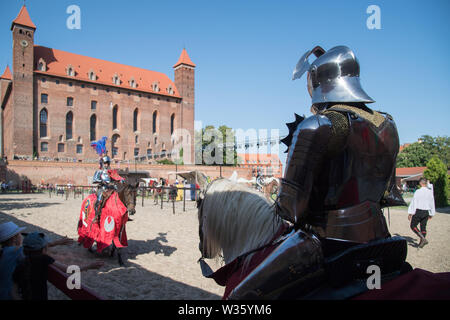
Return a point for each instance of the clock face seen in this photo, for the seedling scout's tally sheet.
(24, 43)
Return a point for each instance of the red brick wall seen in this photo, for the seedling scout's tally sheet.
(126, 101)
(6, 118)
(21, 132)
(79, 173)
(22, 112)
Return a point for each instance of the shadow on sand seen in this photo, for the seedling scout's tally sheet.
(164, 288)
(411, 241)
(138, 247)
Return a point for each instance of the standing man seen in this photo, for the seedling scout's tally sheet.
(421, 209)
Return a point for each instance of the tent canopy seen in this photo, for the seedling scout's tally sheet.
(193, 177)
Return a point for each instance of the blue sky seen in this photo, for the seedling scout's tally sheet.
(245, 52)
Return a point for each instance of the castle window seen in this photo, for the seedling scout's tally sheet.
(132, 83)
(136, 152)
(44, 98)
(44, 146)
(70, 71)
(41, 65)
(69, 101)
(69, 124)
(43, 123)
(149, 153)
(154, 122)
(114, 148)
(43, 79)
(116, 80)
(79, 148)
(93, 105)
(115, 111)
(155, 87)
(172, 120)
(156, 140)
(170, 90)
(135, 119)
(136, 139)
(92, 76)
(60, 147)
(57, 81)
(93, 123)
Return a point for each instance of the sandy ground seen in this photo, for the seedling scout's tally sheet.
(161, 259)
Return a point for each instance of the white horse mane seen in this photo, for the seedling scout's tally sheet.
(236, 219)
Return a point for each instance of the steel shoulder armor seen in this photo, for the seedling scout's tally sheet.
(306, 152)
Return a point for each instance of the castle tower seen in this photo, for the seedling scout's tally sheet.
(184, 71)
(22, 111)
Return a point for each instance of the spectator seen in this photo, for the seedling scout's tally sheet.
(31, 275)
(10, 255)
(421, 209)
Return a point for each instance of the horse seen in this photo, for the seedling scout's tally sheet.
(235, 221)
(126, 193)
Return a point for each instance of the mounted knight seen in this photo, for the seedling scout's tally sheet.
(106, 178)
(340, 173)
(104, 214)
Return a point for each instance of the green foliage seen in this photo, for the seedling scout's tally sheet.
(419, 153)
(436, 172)
(165, 161)
(214, 140)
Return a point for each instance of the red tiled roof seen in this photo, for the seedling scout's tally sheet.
(57, 63)
(7, 74)
(23, 18)
(403, 146)
(184, 59)
(403, 172)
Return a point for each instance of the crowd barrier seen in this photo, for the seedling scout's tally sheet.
(59, 280)
(160, 195)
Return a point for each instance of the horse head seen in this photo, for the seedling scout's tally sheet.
(127, 194)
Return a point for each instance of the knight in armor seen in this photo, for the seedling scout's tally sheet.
(340, 173)
(341, 160)
(104, 177)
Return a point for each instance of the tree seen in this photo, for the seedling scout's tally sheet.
(419, 153)
(214, 140)
(436, 172)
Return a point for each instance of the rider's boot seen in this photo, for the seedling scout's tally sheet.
(98, 210)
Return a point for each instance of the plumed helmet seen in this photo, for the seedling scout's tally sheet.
(106, 159)
(333, 76)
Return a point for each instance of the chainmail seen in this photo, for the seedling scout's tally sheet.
(339, 131)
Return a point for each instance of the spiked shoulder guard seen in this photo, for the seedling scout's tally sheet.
(309, 145)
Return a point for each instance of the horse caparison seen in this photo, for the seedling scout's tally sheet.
(127, 193)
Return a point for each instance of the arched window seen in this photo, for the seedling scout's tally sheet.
(115, 145)
(135, 119)
(69, 124)
(172, 123)
(154, 121)
(92, 126)
(115, 111)
(43, 123)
